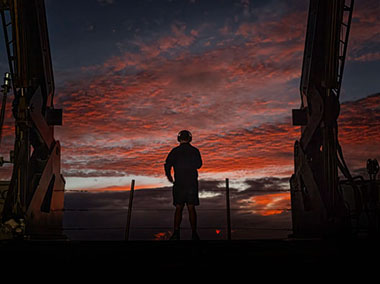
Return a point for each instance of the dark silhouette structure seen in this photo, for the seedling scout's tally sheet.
(324, 203)
(186, 160)
(35, 193)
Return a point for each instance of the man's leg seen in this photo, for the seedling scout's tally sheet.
(193, 221)
(178, 216)
(177, 221)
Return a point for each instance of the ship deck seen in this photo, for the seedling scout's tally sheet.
(205, 254)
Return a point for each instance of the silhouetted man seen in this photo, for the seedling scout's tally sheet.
(186, 160)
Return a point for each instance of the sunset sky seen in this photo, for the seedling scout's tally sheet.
(130, 74)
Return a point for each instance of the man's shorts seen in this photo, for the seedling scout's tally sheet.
(185, 194)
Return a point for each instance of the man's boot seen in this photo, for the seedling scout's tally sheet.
(194, 236)
(175, 236)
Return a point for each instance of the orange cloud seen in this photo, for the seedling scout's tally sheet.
(267, 204)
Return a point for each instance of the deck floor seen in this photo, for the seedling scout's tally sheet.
(257, 254)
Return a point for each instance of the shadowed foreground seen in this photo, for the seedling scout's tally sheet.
(288, 254)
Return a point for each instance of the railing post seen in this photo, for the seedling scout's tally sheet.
(129, 210)
(228, 210)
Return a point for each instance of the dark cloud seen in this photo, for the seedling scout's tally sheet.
(254, 212)
(106, 2)
(365, 32)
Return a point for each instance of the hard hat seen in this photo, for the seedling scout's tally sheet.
(184, 135)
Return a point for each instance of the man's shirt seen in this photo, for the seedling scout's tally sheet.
(186, 160)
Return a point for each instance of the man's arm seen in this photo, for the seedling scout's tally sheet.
(199, 160)
(168, 166)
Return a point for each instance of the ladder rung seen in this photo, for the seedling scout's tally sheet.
(342, 41)
(10, 42)
(344, 24)
(10, 23)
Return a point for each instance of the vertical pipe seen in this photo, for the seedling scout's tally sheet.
(129, 210)
(2, 112)
(228, 210)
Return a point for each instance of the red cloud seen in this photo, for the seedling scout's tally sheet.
(360, 130)
(268, 146)
(265, 146)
